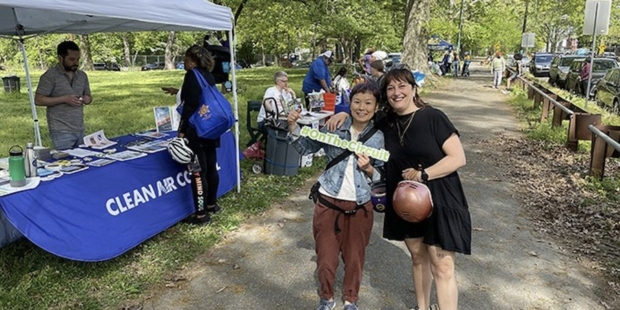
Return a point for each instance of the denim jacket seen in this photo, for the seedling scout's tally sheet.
(331, 180)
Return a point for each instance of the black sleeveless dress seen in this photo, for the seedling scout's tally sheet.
(449, 227)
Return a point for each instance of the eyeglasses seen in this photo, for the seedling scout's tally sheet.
(283, 81)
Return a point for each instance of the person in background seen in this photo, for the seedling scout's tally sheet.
(466, 63)
(345, 187)
(425, 147)
(498, 65)
(318, 77)
(584, 74)
(204, 167)
(377, 71)
(280, 92)
(518, 72)
(445, 63)
(366, 60)
(456, 64)
(341, 85)
(64, 90)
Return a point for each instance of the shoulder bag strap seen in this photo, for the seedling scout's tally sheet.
(201, 79)
(346, 153)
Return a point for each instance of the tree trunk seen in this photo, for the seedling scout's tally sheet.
(415, 46)
(41, 63)
(87, 59)
(126, 49)
(168, 53)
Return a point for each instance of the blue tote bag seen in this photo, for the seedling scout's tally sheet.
(214, 115)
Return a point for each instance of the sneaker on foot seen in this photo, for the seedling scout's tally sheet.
(351, 307)
(214, 209)
(326, 305)
(195, 220)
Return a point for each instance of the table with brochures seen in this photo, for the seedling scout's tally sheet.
(103, 211)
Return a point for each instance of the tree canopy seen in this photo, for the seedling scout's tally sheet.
(272, 29)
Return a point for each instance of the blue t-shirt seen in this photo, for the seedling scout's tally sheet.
(318, 71)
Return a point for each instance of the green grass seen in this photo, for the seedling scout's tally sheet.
(31, 278)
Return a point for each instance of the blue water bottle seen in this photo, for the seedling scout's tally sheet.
(17, 167)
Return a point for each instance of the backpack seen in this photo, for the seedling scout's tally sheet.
(221, 56)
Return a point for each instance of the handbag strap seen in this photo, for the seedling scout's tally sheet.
(346, 153)
(201, 79)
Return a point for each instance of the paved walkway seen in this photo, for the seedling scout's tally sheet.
(269, 262)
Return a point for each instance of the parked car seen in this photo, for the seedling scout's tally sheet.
(607, 93)
(611, 55)
(113, 67)
(154, 66)
(392, 60)
(559, 69)
(539, 66)
(99, 66)
(599, 69)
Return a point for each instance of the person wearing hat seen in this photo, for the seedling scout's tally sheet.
(584, 75)
(318, 77)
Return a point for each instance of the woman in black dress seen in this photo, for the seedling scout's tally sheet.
(419, 136)
(422, 137)
(205, 178)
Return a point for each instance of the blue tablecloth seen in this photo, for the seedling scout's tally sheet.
(102, 212)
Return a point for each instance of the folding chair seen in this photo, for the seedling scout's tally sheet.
(255, 133)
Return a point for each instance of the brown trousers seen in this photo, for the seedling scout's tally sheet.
(351, 241)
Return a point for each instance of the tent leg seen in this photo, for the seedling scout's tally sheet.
(234, 90)
(37, 132)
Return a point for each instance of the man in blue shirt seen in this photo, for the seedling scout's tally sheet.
(318, 77)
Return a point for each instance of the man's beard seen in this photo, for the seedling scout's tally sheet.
(68, 68)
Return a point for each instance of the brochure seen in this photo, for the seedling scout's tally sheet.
(100, 162)
(164, 119)
(126, 155)
(73, 169)
(98, 141)
(82, 153)
(148, 147)
(151, 134)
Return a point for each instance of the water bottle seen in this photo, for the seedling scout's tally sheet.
(30, 161)
(17, 170)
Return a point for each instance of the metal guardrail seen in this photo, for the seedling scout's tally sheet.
(557, 104)
(605, 137)
(603, 143)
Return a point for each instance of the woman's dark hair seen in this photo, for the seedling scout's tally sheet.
(366, 88)
(401, 74)
(201, 57)
(342, 71)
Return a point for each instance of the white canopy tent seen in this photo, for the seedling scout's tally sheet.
(26, 18)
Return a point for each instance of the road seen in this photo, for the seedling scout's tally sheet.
(269, 262)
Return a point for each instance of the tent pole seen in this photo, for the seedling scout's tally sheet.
(35, 117)
(231, 42)
(19, 29)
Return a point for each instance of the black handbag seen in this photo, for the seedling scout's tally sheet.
(314, 191)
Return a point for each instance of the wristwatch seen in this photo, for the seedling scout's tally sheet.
(424, 176)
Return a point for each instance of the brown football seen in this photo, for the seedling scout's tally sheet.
(412, 201)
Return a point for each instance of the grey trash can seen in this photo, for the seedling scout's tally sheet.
(11, 84)
(281, 158)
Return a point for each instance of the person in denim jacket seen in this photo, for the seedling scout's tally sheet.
(343, 215)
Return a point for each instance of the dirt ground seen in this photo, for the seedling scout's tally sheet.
(517, 261)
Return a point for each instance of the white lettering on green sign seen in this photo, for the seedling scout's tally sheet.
(353, 146)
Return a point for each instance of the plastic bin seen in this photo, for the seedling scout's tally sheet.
(281, 158)
(11, 84)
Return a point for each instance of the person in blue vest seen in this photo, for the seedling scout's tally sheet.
(318, 77)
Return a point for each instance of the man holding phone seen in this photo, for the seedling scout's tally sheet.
(64, 90)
